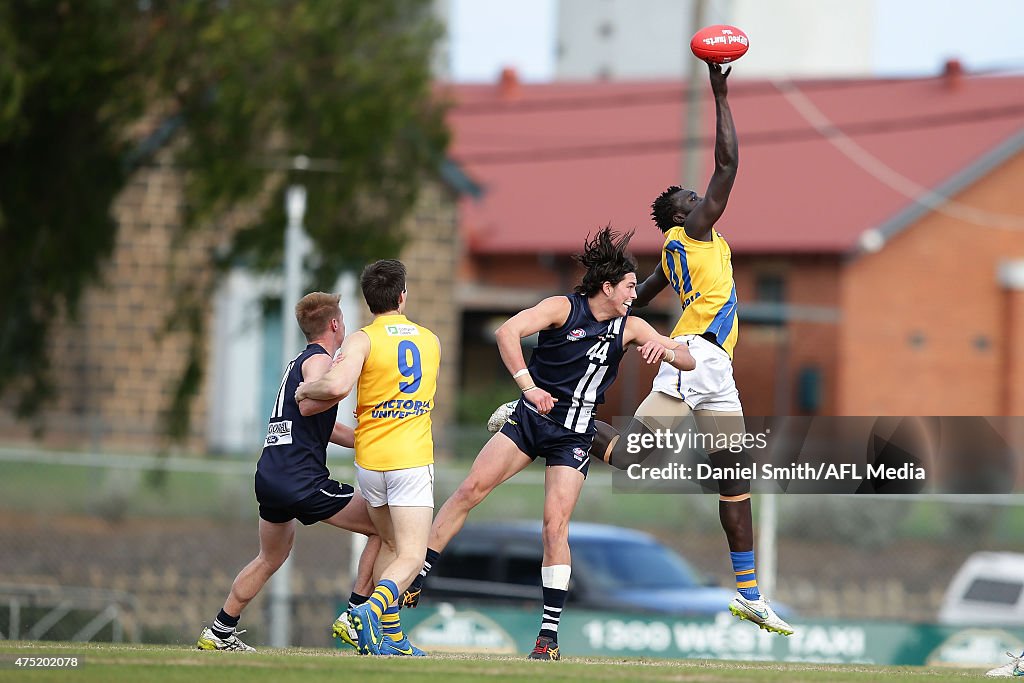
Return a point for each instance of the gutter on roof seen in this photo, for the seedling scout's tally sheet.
(873, 239)
(456, 178)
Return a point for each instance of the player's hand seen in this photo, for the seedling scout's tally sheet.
(718, 76)
(337, 359)
(541, 400)
(652, 351)
(300, 393)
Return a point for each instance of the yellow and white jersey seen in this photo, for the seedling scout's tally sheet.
(701, 273)
(396, 394)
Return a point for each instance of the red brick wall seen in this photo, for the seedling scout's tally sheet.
(530, 271)
(765, 355)
(768, 358)
(924, 329)
(1013, 385)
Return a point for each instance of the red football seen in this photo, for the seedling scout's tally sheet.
(719, 44)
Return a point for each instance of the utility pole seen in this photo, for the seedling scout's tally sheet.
(695, 68)
(295, 207)
(351, 311)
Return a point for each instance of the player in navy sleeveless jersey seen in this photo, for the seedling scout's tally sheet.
(582, 338)
(294, 460)
(292, 479)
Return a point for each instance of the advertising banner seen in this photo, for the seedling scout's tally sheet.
(588, 633)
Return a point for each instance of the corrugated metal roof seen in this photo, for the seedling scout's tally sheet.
(560, 160)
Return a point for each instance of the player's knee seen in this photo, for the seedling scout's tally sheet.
(411, 560)
(470, 494)
(272, 561)
(635, 445)
(389, 545)
(732, 485)
(555, 532)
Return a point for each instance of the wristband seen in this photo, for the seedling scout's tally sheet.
(520, 373)
(530, 388)
(673, 356)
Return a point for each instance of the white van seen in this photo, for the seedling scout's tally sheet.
(988, 590)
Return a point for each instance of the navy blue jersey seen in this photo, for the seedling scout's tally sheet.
(294, 460)
(576, 363)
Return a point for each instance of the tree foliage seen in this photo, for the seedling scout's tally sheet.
(241, 87)
(66, 96)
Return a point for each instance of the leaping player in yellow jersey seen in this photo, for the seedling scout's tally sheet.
(394, 362)
(697, 262)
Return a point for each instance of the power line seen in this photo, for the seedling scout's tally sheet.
(671, 145)
(887, 175)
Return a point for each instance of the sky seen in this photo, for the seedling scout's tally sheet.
(525, 39)
(912, 37)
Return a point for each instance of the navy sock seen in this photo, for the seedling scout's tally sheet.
(356, 599)
(432, 557)
(224, 625)
(554, 601)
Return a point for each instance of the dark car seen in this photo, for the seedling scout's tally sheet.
(613, 568)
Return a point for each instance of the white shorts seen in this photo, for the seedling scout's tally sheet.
(709, 386)
(413, 487)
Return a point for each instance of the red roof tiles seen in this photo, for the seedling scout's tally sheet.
(560, 160)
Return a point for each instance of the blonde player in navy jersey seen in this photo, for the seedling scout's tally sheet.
(394, 363)
(581, 340)
(292, 480)
(697, 262)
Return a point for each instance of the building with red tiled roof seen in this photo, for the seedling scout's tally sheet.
(877, 229)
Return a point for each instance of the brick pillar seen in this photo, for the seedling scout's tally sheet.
(431, 255)
(115, 365)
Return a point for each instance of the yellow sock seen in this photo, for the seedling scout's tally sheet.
(391, 624)
(384, 595)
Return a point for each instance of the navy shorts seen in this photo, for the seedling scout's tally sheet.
(330, 498)
(538, 436)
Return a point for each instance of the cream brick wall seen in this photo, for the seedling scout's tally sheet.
(116, 366)
(432, 256)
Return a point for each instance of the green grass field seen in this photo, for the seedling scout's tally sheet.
(170, 664)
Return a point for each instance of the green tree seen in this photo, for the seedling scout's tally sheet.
(240, 88)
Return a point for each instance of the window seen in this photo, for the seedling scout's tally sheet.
(522, 564)
(635, 565)
(770, 288)
(471, 559)
(808, 389)
(995, 591)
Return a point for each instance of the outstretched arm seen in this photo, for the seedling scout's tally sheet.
(703, 217)
(341, 378)
(650, 288)
(655, 347)
(551, 312)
